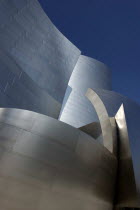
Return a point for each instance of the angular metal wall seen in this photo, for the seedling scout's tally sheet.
(47, 164)
(88, 73)
(91, 73)
(129, 138)
(126, 186)
(28, 37)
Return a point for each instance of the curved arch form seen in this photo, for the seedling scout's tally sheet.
(103, 118)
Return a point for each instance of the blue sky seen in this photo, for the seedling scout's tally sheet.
(107, 30)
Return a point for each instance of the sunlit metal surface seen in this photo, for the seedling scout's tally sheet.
(88, 73)
(103, 118)
(128, 152)
(47, 164)
(112, 102)
(31, 40)
(18, 90)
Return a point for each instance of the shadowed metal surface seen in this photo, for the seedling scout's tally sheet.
(103, 119)
(93, 129)
(88, 73)
(112, 102)
(46, 164)
(128, 194)
(126, 186)
(114, 135)
(29, 38)
(18, 90)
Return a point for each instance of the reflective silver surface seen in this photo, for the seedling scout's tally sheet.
(112, 102)
(88, 73)
(114, 135)
(77, 111)
(18, 90)
(103, 119)
(126, 187)
(46, 164)
(29, 39)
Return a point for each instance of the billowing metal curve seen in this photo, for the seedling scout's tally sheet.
(36, 59)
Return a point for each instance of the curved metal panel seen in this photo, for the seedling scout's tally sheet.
(88, 73)
(18, 90)
(41, 51)
(77, 111)
(95, 73)
(47, 164)
(112, 102)
(103, 118)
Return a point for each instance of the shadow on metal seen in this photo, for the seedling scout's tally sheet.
(127, 195)
(93, 129)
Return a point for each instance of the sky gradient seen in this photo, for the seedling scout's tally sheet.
(107, 30)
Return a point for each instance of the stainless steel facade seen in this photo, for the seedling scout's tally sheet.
(18, 90)
(127, 123)
(29, 39)
(88, 73)
(89, 161)
(95, 73)
(127, 194)
(132, 114)
(104, 119)
(47, 164)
